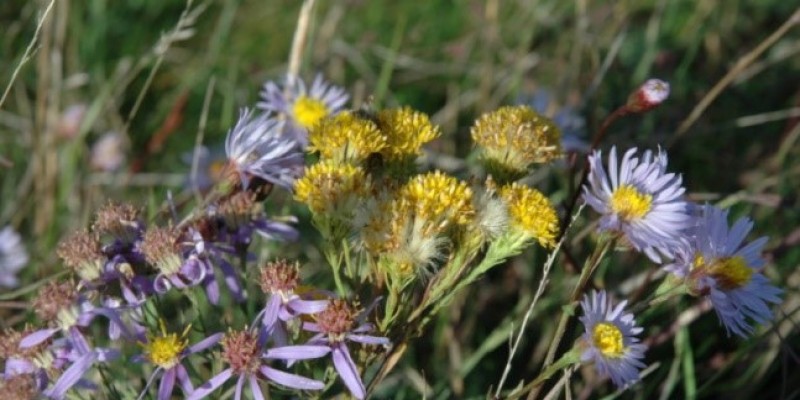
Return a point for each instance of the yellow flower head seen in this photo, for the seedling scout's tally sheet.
(308, 111)
(438, 197)
(531, 213)
(346, 137)
(330, 187)
(514, 137)
(406, 130)
(165, 350)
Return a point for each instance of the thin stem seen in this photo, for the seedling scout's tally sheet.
(300, 35)
(572, 357)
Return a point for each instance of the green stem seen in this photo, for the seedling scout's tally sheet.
(570, 358)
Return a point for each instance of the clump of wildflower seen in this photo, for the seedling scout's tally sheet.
(81, 253)
(119, 221)
(346, 137)
(717, 264)
(531, 213)
(648, 96)
(243, 353)
(12, 257)
(304, 107)
(257, 148)
(609, 340)
(331, 188)
(406, 131)
(513, 138)
(640, 200)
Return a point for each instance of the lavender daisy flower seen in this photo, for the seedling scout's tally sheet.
(82, 357)
(166, 351)
(336, 325)
(718, 264)
(279, 279)
(256, 147)
(639, 199)
(242, 351)
(12, 257)
(609, 340)
(304, 107)
(162, 248)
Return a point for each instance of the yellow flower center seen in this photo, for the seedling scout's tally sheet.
(608, 339)
(308, 111)
(731, 272)
(629, 203)
(165, 350)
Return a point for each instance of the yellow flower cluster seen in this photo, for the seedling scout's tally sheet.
(531, 213)
(515, 137)
(346, 137)
(396, 134)
(406, 130)
(408, 225)
(329, 187)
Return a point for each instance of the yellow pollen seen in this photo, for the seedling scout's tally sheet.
(531, 213)
(436, 196)
(608, 339)
(731, 272)
(165, 350)
(629, 203)
(308, 111)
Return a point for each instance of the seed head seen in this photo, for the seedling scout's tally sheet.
(241, 351)
(119, 220)
(161, 248)
(81, 253)
(55, 299)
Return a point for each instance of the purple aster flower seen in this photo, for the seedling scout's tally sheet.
(718, 264)
(256, 147)
(242, 351)
(609, 340)
(303, 107)
(279, 279)
(639, 199)
(163, 248)
(82, 357)
(336, 325)
(12, 257)
(166, 351)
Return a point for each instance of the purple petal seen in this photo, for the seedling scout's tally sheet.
(308, 306)
(367, 339)
(212, 289)
(161, 284)
(194, 270)
(255, 389)
(291, 380)
(16, 366)
(37, 337)
(311, 327)
(271, 312)
(204, 344)
(167, 384)
(183, 380)
(71, 376)
(239, 385)
(104, 355)
(347, 370)
(231, 280)
(205, 389)
(301, 352)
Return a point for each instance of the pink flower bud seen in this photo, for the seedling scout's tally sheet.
(648, 96)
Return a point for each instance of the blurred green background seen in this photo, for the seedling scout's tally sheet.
(122, 64)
